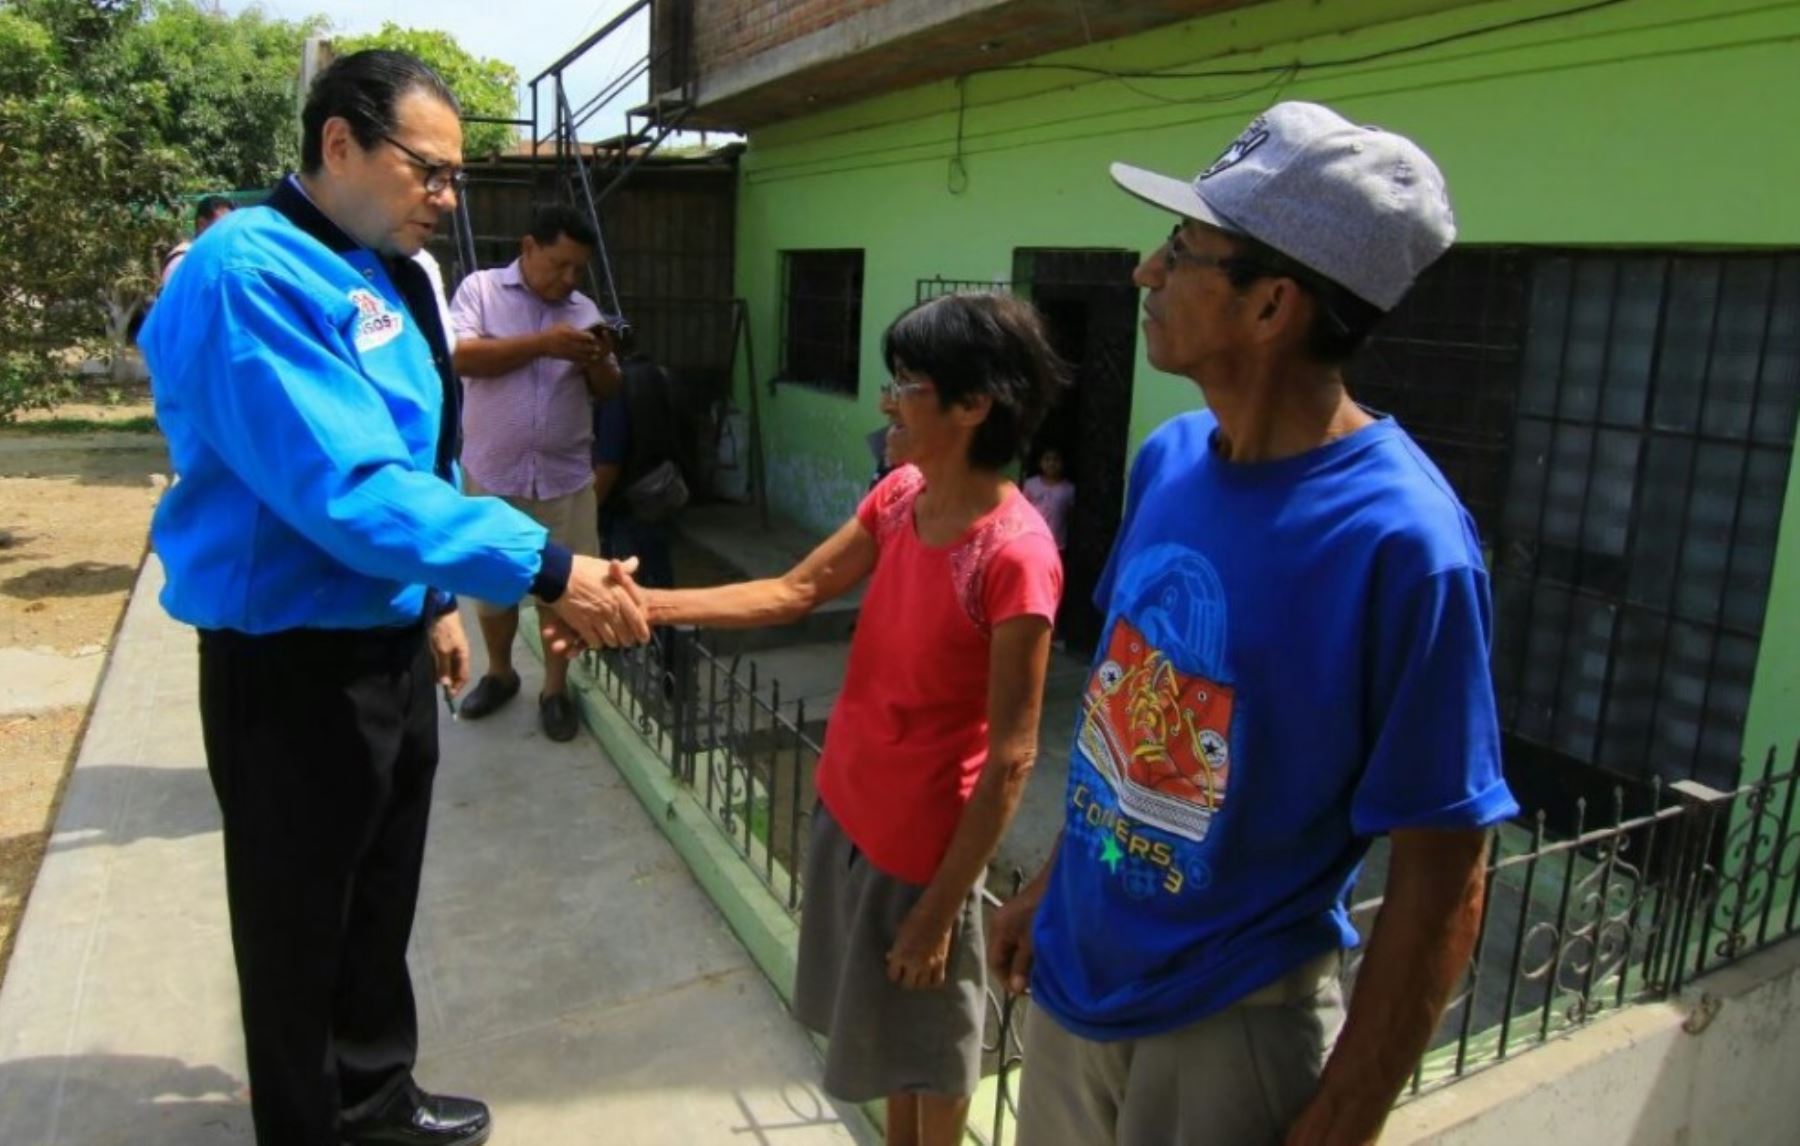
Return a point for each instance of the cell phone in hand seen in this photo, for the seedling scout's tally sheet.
(615, 335)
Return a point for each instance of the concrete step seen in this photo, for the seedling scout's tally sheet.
(721, 542)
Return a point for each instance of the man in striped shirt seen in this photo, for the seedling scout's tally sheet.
(534, 353)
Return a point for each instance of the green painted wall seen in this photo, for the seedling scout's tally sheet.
(1646, 122)
(1774, 717)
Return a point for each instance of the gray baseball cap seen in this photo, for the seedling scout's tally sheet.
(1364, 207)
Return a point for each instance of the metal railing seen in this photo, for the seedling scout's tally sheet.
(726, 735)
(590, 174)
(1619, 911)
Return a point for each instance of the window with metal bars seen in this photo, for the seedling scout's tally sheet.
(1621, 425)
(821, 324)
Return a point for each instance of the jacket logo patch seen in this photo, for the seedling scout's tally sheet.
(377, 323)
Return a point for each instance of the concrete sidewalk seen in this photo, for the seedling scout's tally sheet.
(568, 970)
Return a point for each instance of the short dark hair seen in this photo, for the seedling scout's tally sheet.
(557, 219)
(974, 344)
(210, 207)
(363, 88)
(1341, 321)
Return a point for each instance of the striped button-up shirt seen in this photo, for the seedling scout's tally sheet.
(527, 433)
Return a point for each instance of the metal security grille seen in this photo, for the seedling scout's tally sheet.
(931, 288)
(1621, 425)
(821, 325)
(1446, 363)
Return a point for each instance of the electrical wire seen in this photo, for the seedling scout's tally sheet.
(1279, 78)
(956, 177)
(1296, 66)
(1276, 76)
(1313, 65)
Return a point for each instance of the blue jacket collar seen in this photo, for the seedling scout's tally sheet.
(302, 212)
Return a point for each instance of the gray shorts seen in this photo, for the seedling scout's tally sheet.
(1236, 1078)
(883, 1039)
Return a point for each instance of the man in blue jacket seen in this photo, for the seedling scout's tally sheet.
(314, 537)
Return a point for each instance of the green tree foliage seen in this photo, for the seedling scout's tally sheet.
(484, 87)
(87, 194)
(222, 89)
(113, 115)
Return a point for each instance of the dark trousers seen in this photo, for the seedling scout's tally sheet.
(622, 536)
(322, 747)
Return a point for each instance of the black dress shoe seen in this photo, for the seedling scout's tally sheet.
(557, 714)
(414, 1118)
(489, 693)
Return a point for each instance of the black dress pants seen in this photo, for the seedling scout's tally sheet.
(322, 747)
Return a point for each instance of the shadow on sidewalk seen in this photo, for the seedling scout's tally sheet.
(810, 1111)
(120, 1100)
(114, 804)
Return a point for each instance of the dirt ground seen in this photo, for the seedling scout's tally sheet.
(74, 518)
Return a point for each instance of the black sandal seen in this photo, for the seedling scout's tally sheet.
(489, 693)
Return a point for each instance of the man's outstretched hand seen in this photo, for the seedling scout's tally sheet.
(601, 608)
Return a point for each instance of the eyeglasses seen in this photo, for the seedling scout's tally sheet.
(439, 177)
(893, 389)
(1175, 253)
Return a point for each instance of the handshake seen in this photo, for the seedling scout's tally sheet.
(601, 608)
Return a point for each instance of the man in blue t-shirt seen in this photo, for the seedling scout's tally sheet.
(1295, 661)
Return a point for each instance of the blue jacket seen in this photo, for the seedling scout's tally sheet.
(306, 391)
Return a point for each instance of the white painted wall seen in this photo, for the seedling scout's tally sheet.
(1654, 1075)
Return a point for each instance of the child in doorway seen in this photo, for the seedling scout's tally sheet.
(1052, 495)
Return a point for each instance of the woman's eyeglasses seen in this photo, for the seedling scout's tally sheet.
(439, 177)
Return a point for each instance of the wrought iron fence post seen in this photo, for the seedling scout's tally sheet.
(1006, 1060)
(681, 687)
(1693, 895)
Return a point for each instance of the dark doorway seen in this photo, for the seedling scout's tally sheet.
(1090, 304)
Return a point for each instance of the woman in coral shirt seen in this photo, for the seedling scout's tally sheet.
(931, 741)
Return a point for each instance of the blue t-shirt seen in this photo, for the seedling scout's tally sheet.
(1295, 660)
(612, 431)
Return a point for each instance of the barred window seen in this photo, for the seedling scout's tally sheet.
(821, 322)
(1621, 426)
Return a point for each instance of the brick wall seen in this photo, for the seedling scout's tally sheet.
(727, 31)
(895, 46)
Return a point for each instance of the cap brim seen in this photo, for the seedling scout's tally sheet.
(1177, 195)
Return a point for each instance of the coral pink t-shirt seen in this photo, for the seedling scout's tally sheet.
(908, 736)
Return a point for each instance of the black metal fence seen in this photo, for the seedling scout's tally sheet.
(1622, 909)
(727, 736)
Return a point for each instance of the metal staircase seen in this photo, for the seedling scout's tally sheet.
(588, 174)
